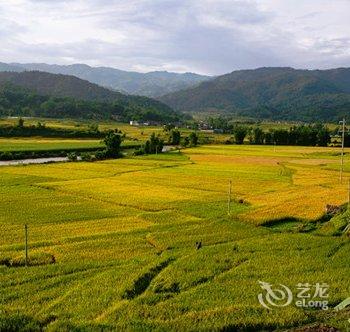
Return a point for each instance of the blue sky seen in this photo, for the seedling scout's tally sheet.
(204, 36)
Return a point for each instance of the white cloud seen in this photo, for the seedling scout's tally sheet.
(207, 36)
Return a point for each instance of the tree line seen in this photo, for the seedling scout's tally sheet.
(155, 143)
(175, 137)
(304, 134)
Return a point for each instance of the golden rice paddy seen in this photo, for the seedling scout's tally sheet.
(124, 232)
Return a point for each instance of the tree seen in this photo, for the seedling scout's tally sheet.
(175, 137)
(20, 123)
(257, 136)
(268, 138)
(219, 123)
(280, 136)
(186, 141)
(113, 141)
(323, 135)
(153, 145)
(93, 128)
(193, 139)
(40, 125)
(239, 133)
(168, 127)
(347, 140)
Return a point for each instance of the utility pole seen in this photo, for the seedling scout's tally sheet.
(26, 243)
(342, 150)
(229, 197)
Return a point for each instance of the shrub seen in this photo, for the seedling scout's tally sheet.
(6, 156)
(139, 152)
(86, 156)
(100, 155)
(72, 156)
(19, 155)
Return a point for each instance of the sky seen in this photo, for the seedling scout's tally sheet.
(204, 36)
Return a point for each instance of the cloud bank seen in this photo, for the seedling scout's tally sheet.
(205, 36)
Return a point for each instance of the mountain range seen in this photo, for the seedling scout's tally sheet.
(152, 84)
(270, 93)
(275, 93)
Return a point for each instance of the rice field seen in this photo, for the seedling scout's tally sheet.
(53, 144)
(123, 234)
(44, 144)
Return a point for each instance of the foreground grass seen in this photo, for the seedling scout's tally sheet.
(123, 235)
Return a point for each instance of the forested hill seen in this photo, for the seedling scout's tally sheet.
(30, 92)
(271, 93)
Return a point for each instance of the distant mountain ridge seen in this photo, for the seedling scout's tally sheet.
(152, 84)
(278, 93)
(8, 67)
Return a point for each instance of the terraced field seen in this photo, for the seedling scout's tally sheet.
(123, 235)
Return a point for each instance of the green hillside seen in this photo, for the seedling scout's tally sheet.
(50, 95)
(271, 93)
